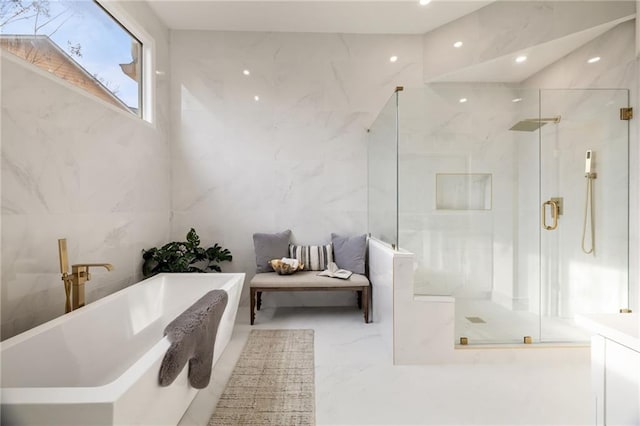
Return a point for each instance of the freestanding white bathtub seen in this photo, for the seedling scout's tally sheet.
(99, 365)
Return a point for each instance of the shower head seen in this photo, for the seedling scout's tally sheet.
(532, 124)
(527, 125)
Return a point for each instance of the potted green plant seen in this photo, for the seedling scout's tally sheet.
(184, 256)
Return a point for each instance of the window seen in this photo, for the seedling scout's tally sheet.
(78, 41)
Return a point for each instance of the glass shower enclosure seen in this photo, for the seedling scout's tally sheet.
(513, 200)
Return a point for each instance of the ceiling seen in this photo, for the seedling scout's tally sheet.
(365, 17)
(504, 70)
(324, 16)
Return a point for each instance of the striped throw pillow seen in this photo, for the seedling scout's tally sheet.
(314, 258)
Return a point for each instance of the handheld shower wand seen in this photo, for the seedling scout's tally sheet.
(588, 203)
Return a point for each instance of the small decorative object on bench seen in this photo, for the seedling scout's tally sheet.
(333, 271)
(286, 266)
(346, 253)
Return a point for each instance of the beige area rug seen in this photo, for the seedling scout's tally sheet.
(272, 383)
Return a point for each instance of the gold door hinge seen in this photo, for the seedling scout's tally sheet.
(626, 113)
(625, 311)
(464, 341)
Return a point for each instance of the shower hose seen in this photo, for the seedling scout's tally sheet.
(588, 215)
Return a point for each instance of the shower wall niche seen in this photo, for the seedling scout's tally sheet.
(463, 191)
(458, 174)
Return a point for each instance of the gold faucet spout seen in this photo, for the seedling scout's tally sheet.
(107, 266)
(80, 275)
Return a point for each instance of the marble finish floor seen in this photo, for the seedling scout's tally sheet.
(356, 383)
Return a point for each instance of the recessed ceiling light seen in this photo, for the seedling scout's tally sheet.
(594, 60)
(393, 58)
(246, 72)
(516, 100)
(457, 44)
(463, 100)
(424, 2)
(256, 98)
(521, 59)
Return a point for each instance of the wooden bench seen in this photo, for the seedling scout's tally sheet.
(309, 281)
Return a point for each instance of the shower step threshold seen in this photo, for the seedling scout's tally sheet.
(543, 345)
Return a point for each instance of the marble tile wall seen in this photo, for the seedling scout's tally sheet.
(74, 167)
(296, 159)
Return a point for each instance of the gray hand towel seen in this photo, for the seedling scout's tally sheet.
(192, 335)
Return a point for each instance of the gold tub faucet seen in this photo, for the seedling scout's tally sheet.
(74, 283)
(80, 275)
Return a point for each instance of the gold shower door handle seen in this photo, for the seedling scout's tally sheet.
(554, 214)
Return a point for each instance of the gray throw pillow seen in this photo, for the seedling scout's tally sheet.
(270, 246)
(349, 252)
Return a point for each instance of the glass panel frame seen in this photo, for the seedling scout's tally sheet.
(382, 174)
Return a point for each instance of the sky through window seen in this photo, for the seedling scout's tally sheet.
(87, 34)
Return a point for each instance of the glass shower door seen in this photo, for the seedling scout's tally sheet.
(584, 204)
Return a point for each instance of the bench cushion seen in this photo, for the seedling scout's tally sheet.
(305, 279)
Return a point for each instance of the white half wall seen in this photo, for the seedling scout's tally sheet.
(381, 276)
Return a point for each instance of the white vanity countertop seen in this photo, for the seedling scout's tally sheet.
(621, 328)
